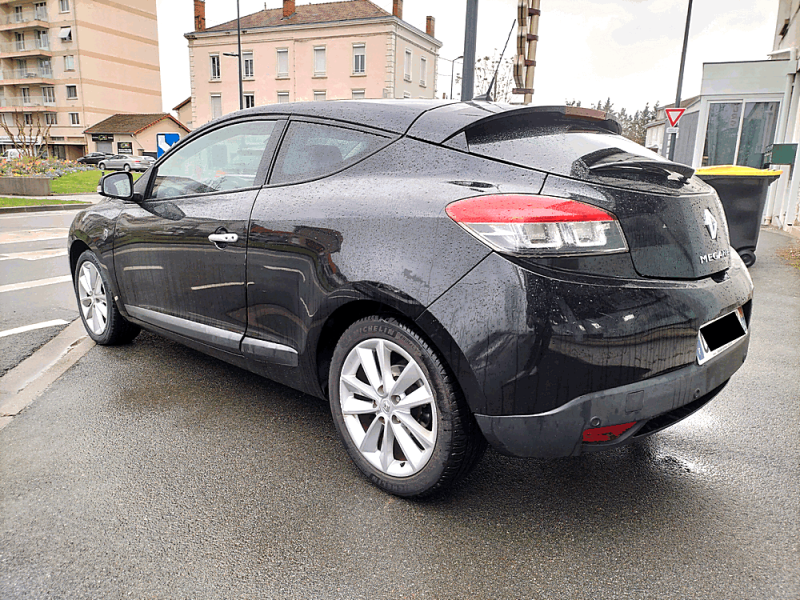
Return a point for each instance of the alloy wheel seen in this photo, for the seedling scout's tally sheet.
(388, 407)
(92, 296)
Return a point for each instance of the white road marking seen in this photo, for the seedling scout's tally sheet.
(24, 285)
(25, 328)
(34, 235)
(35, 254)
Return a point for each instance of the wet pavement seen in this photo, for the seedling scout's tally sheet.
(35, 287)
(153, 471)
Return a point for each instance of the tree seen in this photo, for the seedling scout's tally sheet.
(484, 71)
(29, 132)
(634, 126)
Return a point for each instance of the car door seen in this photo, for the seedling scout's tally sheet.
(293, 240)
(179, 254)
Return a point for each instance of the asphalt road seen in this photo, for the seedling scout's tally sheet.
(152, 471)
(34, 286)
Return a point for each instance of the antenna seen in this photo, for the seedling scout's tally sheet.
(487, 97)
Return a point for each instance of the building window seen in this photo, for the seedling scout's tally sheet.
(216, 105)
(42, 41)
(63, 6)
(40, 11)
(65, 34)
(19, 16)
(20, 40)
(51, 118)
(319, 96)
(406, 94)
(216, 72)
(49, 94)
(740, 137)
(359, 59)
(69, 62)
(407, 66)
(283, 97)
(359, 94)
(26, 95)
(249, 100)
(283, 62)
(45, 68)
(72, 92)
(423, 72)
(74, 118)
(27, 118)
(248, 69)
(319, 61)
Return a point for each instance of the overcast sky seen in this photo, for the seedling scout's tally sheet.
(589, 50)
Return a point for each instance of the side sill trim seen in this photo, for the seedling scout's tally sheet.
(213, 336)
(269, 352)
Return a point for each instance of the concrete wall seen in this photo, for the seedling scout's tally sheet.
(743, 78)
(25, 186)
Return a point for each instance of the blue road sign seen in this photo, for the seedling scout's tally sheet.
(165, 140)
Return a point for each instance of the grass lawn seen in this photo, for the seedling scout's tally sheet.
(4, 202)
(80, 182)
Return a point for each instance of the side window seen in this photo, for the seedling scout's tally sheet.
(224, 160)
(311, 150)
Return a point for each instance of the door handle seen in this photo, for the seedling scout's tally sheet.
(223, 238)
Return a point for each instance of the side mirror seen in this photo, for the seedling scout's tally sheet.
(116, 185)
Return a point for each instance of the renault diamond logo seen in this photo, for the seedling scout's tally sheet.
(711, 224)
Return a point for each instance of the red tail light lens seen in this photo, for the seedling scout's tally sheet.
(539, 225)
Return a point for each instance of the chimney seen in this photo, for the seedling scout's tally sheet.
(397, 8)
(430, 26)
(288, 8)
(199, 15)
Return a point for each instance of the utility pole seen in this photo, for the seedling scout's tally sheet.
(470, 39)
(453, 72)
(674, 136)
(238, 54)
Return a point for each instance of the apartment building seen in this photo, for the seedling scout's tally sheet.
(66, 65)
(312, 52)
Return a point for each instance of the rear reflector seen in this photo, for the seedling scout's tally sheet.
(538, 225)
(606, 434)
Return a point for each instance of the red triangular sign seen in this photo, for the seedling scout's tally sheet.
(674, 115)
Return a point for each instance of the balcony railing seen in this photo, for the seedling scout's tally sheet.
(25, 101)
(26, 16)
(25, 45)
(27, 74)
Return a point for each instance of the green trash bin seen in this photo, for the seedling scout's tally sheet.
(743, 192)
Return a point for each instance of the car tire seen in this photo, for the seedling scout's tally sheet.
(748, 257)
(126, 168)
(99, 313)
(102, 166)
(434, 439)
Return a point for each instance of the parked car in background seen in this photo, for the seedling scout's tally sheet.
(445, 274)
(93, 158)
(10, 153)
(126, 162)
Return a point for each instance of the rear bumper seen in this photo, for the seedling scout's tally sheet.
(653, 404)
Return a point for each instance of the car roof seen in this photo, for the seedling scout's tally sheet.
(430, 120)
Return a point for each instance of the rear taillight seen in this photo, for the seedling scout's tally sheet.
(539, 225)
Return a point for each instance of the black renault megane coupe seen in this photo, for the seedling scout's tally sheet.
(446, 275)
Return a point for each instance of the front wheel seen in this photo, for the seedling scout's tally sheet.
(400, 416)
(127, 168)
(103, 322)
(102, 166)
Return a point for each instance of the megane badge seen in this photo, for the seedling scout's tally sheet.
(711, 223)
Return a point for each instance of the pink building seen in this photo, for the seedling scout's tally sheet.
(66, 65)
(332, 51)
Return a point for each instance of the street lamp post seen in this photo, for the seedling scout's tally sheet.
(452, 73)
(238, 53)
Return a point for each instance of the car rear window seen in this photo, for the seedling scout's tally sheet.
(552, 145)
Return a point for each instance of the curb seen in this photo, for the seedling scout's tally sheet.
(25, 382)
(43, 208)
